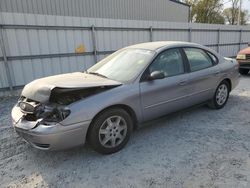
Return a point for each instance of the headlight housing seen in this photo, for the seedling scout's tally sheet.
(64, 113)
(55, 116)
(241, 56)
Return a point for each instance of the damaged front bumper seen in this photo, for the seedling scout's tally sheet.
(49, 137)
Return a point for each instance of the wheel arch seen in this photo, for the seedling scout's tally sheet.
(229, 82)
(127, 108)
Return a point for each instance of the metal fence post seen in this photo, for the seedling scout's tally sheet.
(240, 38)
(151, 34)
(5, 60)
(218, 40)
(94, 42)
(190, 34)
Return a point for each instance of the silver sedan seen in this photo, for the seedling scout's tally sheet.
(133, 85)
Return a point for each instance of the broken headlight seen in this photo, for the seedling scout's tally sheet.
(54, 115)
(48, 114)
(64, 113)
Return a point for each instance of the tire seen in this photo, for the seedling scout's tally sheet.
(220, 96)
(106, 135)
(243, 71)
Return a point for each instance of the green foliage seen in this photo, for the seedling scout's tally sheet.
(231, 16)
(210, 11)
(206, 11)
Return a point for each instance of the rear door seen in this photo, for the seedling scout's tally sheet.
(204, 74)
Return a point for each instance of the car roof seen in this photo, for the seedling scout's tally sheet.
(162, 44)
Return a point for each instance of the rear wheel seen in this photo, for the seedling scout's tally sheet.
(110, 131)
(221, 96)
(243, 71)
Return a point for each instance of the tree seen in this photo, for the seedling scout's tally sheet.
(234, 10)
(193, 4)
(206, 11)
(231, 14)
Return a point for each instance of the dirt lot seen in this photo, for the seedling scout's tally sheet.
(197, 148)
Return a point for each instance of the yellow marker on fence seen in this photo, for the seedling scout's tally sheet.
(80, 49)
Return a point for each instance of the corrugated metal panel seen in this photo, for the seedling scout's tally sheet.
(209, 37)
(245, 36)
(32, 42)
(170, 35)
(230, 51)
(3, 77)
(24, 71)
(48, 41)
(162, 10)
(230, 37)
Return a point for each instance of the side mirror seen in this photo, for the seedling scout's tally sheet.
(156, 75)
(249, 44)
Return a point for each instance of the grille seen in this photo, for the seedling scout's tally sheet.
(248, 56)
(30, 117)
(246, 65)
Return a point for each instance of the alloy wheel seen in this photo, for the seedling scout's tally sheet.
(112, 131)
(222, 94)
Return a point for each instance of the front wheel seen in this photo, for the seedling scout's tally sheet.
(110, 131)
(221, 96)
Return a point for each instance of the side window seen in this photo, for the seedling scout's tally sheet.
(213, 57)
(169, 62)
(198, 59)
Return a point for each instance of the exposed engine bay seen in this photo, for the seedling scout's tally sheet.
(55, 110)
(34, 111)
(66, 96)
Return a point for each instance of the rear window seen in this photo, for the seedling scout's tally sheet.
(198, 59)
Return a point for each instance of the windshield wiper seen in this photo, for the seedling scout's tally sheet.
(97, 74)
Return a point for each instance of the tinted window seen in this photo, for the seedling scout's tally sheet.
(198, 59)
(169, 62)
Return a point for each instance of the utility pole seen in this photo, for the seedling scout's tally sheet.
(190, 14)
(239, 15)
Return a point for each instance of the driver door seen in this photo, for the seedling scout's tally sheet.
(162, 96)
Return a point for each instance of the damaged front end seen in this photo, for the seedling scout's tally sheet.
(44, 116)
(43, 113)
(56, 108)
(66, 96)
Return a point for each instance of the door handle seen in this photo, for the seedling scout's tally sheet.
(217, 73)
(182, 83)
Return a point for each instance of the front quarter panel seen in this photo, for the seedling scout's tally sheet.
(86, 109)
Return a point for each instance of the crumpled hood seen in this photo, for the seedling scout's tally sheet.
(40, 89)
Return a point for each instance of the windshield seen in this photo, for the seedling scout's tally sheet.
(123, 65)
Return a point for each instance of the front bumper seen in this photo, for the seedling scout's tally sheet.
(244, 64)
(49, 137)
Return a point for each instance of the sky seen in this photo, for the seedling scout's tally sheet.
(245, 4)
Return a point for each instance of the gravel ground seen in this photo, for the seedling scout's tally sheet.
(196, 148)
